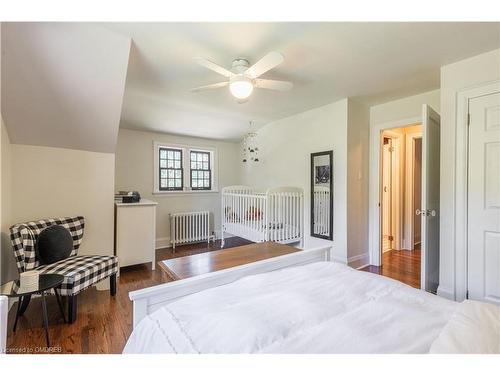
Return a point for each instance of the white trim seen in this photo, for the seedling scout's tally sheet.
(445, 293)
(164, 242)
(374, 193)
(147, 300)
(184, 192)
(186, 149)
(458, 292)
(409, 232)
(397, 183)
(364, 258)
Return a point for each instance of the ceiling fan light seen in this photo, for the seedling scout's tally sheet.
(241, 88)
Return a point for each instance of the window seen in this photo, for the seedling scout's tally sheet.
(184, 169)
(171, 169)
(200, 170)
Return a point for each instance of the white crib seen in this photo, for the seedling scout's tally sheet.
(321, 210)
(276, 215)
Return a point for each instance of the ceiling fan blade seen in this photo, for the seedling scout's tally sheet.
(213, 66)
(271, 84)
(268, 62)
(209, 87)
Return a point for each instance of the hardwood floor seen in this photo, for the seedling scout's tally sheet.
(103, 323)
(402, 265)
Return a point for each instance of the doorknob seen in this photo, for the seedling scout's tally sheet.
(432, 213)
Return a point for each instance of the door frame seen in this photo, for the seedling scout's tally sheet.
(374, 208)
(397, 180)
(409, 234)
(387, 157)
(460, 228)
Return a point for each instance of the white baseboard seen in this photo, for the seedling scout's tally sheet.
(164, 242)
(359, 261)
(445, 293)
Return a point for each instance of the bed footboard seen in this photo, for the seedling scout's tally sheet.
(147, 300)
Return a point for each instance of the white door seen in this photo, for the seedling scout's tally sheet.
(386, 195)
(429, 275)
(483, 237)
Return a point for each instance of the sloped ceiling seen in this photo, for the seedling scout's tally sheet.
(63, 84)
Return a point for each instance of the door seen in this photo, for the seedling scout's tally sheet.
(483, 206)
(387, 195)
(429, 272)
(417, 190)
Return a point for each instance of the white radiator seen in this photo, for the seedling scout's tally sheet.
(190, 227)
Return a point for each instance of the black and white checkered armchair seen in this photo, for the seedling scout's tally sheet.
(80, 272)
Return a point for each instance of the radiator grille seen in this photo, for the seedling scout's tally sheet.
(190, 227)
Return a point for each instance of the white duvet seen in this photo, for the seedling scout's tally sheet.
(474, 328)
(321, 307)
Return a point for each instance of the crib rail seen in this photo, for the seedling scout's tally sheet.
(321, 220)
(276, 215)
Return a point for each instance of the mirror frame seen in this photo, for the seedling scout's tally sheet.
(330, 155)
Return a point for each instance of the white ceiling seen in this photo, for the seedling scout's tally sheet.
(375, 62)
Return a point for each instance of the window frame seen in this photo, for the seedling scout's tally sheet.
(209, 170)
(186, 168)
(160, 188)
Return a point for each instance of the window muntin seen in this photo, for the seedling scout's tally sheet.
(201, 172)
(171, 169)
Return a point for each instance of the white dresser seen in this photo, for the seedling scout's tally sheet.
(135, 227)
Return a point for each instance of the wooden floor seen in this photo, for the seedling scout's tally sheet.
(104, 323)
(402, 265)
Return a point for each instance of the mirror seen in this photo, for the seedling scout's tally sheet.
(321, 195)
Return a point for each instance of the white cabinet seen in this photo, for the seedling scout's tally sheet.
(135, 226)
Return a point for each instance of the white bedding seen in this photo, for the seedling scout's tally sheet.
(474, 328)
(321, 307)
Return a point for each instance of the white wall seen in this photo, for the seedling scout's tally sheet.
(134, 171)
(7, 264)
(404, 108)
(475, 71)
(8, 268)
(54, 182)
(358, 153)
(63, 84)
(285, 147)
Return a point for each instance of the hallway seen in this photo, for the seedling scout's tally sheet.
(401, 265)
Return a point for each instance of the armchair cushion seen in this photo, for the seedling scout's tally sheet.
(80, 272)
(24, 237)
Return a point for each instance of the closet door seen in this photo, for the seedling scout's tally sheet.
(483, 237)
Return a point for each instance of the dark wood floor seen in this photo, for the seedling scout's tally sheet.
(104, 323)
(402, 265)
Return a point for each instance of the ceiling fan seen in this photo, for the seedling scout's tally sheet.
(243, 78)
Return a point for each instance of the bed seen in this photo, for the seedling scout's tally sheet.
(276, 215)
(310, 306)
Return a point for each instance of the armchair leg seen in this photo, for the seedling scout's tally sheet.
(72, 304)
(24, 304)
(112, 284)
